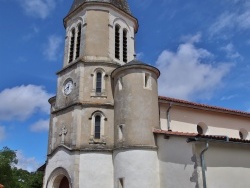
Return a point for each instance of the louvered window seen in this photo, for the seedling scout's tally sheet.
(117, 42)
(125, 46)
(72, 45)
(78, 40)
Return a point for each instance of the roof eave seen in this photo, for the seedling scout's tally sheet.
(194, 137)
(193, 105)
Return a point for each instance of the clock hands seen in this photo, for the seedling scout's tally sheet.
(68, 87)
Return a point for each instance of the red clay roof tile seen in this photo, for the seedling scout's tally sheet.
(193, 135)
(203, 106)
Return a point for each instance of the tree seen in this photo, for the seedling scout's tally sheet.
(37, 180)
(7, 161)
(11, 177)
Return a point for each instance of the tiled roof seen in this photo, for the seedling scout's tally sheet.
(121, 4)
(196, 135)
(203, 106)
(174, 133)
(42, 168)
(136, 62)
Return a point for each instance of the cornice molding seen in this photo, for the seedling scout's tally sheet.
(83, 104)
(88, 63)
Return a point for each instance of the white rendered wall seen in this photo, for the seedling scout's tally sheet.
(62, 159)
(96, 170)
(183, 119)
(138, 168)
(177, 163)
(228, 165)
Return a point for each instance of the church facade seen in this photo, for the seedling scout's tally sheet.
(110, 129)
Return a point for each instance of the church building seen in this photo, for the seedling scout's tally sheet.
(110, 129)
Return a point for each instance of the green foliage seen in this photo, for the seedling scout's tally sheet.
(12, 177)
(7, 160)
(25, 179)
(37, 180)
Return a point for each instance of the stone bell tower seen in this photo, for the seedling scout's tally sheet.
(99, 38)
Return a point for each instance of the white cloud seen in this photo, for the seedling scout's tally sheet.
(40, 126)
(52, 50)
(139, 55)
(145, 5)
(224, 98)
(185, 75)
(231, 52)
(38, 8)
(29, 164)
(34, 30)
(238, 19)
(191, 38)
(2, 133)
(22, 101)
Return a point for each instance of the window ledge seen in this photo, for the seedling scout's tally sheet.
(97, 142)
(101, 95)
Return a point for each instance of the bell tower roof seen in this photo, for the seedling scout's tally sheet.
(121, 4)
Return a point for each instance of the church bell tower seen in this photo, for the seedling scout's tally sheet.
(99, 38)
(106, 104)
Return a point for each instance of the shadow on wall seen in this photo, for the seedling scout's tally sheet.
(228, 155)
(178, 162)
(227, 164)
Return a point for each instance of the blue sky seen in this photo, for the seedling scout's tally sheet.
(200, 47)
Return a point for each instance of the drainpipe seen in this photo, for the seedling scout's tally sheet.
(203, 165)
(168, 116)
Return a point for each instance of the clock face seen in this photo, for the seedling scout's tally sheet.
(68, 87)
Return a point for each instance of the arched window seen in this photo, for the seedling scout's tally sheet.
(202, 128)
(117, 42)
(243, 134)
(72, 46)
(125, 46)
(78, 40)
(97, 127)
(98, 82)
(199, 129)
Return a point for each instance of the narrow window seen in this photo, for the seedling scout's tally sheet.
(147, 81)
(241, 135)
(72, 44)
(121, 183)
(78, 40)
(117, 42)
(97, 127)
(125, 46)
(98, 82)
(120, 83)
(120, 132)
